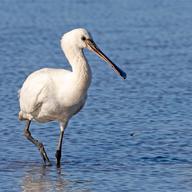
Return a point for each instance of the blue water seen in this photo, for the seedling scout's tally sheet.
(133, 135)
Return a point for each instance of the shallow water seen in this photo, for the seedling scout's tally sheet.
(132, 135)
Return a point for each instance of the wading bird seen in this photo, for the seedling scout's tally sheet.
(57, 94)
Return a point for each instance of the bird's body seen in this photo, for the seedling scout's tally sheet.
(52, 94)
(57, 94)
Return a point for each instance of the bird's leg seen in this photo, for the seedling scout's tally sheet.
(39, 145)
(59, 146)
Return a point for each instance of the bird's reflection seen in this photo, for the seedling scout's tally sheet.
(45, 179)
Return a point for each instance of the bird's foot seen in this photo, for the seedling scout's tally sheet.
(58, 157)
(49, 164)
(44, 154)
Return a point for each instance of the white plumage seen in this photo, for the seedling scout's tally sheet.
(57, 94)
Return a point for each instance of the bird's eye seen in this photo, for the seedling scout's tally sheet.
(83, 38)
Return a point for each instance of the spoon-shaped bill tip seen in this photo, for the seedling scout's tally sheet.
(119, 71)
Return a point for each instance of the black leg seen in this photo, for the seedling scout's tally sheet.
(59, 146)
(39, 145)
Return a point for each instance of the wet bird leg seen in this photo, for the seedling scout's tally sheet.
(39, 145)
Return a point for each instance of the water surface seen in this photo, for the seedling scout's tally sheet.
(132, 135)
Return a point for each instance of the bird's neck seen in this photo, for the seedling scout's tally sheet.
(80, 68)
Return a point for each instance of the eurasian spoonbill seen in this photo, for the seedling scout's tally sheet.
(57, 94)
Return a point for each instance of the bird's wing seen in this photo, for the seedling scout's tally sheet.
(35, 90)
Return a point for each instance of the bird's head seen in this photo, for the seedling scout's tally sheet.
(79, 39)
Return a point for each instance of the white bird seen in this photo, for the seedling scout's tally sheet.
(57, 94)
